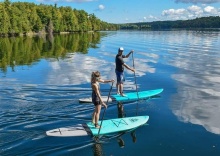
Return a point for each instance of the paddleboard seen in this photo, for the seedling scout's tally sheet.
(89, 99)
(108, 126)
(132, 96)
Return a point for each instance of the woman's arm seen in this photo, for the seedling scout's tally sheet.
(106, 81)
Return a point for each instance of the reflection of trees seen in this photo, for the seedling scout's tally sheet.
(26, 50)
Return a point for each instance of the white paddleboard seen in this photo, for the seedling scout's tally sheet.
(78, 130)
(89, 99)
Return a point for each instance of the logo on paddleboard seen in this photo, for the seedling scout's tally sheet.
(133, 119)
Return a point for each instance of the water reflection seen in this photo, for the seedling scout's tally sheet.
(198, 81)
(26, 50)
(77, 70)
(97, 149)
(44, 78)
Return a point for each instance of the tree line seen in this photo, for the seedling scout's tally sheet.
(203, 22)
(24, 17)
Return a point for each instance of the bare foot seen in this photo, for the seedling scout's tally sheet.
(97, 126)
(122, 94)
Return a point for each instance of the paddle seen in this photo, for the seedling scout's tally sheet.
(135, 77)
(135, 82)
(105, 108)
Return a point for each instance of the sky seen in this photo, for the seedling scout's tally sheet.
(132, 11)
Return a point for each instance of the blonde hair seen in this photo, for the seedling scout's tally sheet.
(94, 75)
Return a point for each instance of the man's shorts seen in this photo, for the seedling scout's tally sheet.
(120, 76)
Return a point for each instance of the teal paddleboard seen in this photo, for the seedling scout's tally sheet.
(118, 125)
(132, 96)
(136, 95)
(108, 126)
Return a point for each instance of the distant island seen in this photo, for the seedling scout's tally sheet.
(24, 18)
(212, 22)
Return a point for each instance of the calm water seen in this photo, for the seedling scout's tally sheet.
(41, 80)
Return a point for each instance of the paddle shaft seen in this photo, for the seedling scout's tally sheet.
(135, 83)
(135, 77)
(105, 108)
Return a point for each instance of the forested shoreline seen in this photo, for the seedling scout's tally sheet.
(212, 22)
(22, 18)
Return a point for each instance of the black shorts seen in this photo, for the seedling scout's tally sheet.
(96, 103)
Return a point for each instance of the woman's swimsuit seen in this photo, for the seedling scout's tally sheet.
(95, 98)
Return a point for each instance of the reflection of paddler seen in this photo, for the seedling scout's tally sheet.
(133, 135)
(121, 142)
(121, 113)
(97, 149)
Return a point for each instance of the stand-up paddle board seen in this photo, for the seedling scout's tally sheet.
(108, 126)
(133, 96)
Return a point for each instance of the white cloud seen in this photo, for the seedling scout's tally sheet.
(198, 1)
(211, 10)
(195, 10)
(101, 7)
(173, 12)
(150, 18)
(191, 12)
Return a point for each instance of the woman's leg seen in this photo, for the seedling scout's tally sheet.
(97, 114)
(93, 117)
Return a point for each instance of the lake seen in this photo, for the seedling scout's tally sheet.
(42, 78)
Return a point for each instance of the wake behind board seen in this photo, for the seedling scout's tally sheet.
(108, 126)
(129, 96)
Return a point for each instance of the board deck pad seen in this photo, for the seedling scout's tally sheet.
(108, 126)
(132, 96)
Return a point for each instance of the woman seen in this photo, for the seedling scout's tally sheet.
(96, 96)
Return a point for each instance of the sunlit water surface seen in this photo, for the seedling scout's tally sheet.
(184, 119)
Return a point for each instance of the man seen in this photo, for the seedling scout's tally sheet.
(119, 70)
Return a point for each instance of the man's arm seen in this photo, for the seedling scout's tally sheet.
(125, 65)
(126, 56)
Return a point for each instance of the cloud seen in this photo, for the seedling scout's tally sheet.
(150, 18)
(173, 12)
(191, 12)
(211, 10)
(177, 14)
(101, 7)
(195, 9)
(198, 1)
